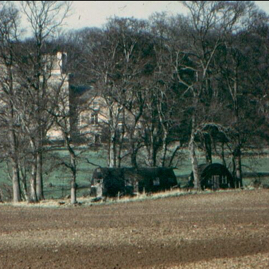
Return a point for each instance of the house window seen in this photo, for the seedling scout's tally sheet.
(94, 118)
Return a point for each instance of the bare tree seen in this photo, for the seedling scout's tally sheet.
(209, 23)
(167, 92)
(44, 20)
(116, 60)
(241, 56)
(9, 20)
(62, 115)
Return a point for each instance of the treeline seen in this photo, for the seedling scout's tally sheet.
(196, 81)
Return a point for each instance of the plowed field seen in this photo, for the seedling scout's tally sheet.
(216, 230)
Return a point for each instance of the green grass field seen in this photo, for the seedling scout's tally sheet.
(57, 177)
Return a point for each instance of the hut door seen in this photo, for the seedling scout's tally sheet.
(223, 181)
(215, 182)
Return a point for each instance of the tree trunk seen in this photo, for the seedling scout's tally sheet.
(15, 182)
(109, 162)
(32, 195)
(15, 166)
(238, 167)
(153, 157)
(164, 149)
(194, 161)
(73, 190)
(114, 151)
(208, 148)
(223, 154)
(112, 154)
(133, 150)
(24, 189)
(39, 177)
(152, 150)
(134, 156)
(74, 173)
(119, 153)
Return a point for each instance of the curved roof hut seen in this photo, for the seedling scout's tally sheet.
(214, 176)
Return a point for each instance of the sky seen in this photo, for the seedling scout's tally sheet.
(95, 13)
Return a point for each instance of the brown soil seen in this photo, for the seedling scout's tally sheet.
(218, 230)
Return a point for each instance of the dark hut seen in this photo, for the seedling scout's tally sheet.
(128, 181)
(214, 176)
